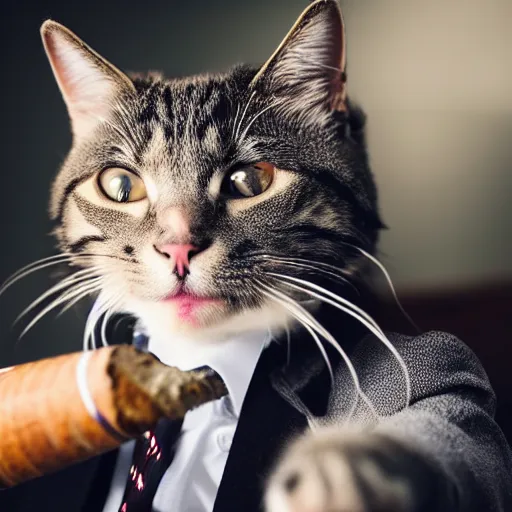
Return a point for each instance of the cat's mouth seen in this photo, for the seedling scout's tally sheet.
(188, 304)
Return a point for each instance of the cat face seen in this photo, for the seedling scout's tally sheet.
(181, 197)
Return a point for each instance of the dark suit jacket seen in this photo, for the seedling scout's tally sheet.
(450, 417)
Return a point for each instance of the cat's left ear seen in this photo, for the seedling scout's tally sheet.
(306, 74)
(89, 84)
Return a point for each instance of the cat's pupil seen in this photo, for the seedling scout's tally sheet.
(241, 183)
(121, 186)
(249, 182)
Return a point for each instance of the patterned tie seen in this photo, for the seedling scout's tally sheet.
(152, 456)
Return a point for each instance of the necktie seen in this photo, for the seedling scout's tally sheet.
(152, 457)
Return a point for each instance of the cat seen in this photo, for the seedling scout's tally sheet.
(206, 206)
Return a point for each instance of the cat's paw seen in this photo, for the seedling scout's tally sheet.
(338, 470)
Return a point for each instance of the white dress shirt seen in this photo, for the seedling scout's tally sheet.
(191, 482)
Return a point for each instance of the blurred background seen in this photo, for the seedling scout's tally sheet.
(435, 79)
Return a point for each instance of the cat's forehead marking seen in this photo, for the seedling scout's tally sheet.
(157, 158)
(212, 140)
(184, 145)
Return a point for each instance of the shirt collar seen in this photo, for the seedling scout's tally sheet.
(233, 359)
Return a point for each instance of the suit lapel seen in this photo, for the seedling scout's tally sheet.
(268, 420)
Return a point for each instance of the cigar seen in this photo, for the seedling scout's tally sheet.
(63, 410)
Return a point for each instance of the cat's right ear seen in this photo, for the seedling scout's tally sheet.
(306, 74)
(88, 83)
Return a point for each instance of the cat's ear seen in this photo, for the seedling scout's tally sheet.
(306, 74)
(88, 83)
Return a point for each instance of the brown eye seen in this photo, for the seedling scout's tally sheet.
(121, 185)
(249, 181)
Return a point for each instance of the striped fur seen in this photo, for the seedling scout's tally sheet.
(182, 136)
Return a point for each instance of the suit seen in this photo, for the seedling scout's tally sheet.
(450, 416)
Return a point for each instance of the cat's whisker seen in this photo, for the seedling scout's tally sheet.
(249, 101)
(295, 309)
(327, 266)
(119, 131)
(89, 339)
(73, 302)
(76, 278)
(103, 330)
(57, 259)
(117, 323)
(312, 422)
(234, 122)
(124, 110)
(110, 310)
(292, 306)
(90, 287)
(342, 300)
(37, 262)
(244, 134)
(319, 345)
(104, 307)
(354, 311)
(306, 317)
(68, 306)
(315, 269)
(288, 344)
(119, 124)
(123, 131)
(382, 268)
(29, 269)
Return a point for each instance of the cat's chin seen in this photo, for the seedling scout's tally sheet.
(210, 323)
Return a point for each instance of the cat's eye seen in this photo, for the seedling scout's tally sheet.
(248, 181)
(121, 185)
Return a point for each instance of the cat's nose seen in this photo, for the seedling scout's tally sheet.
(180, 254)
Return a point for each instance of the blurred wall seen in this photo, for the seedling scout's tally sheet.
(435, 78)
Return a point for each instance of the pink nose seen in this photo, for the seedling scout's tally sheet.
(180, 254)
